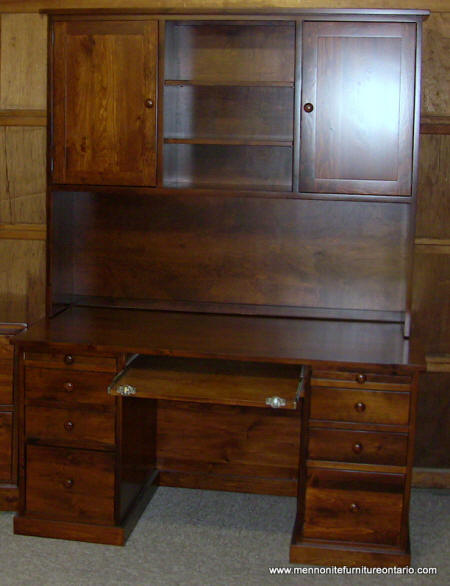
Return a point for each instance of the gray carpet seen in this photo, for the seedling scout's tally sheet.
(189, 537)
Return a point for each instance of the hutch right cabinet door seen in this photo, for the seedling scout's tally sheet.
(357, 107)
(104, 102)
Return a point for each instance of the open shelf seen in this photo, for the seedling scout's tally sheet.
(225, 141)
(228, 166)
(225, 51)
(227, 83)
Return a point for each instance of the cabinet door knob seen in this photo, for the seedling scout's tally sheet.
(68, 386)
(68, 426)
(357, 448)
(360, 407)
(149, 103)
(68, 359)
(354, 508)
(68, 483)
(308, 107)
(361, 378)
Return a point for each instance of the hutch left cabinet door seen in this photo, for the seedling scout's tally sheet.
(104, 102)
(357, 107)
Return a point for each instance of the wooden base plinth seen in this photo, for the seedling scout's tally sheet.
(318, 554)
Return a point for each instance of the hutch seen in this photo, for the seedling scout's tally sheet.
(231, 201)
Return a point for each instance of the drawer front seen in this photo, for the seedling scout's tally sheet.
(70, 485)
(353, 506)
(6, 427)
(70, 426)
(359, 406)
(360, 380)
(6, 381)
(358, 446)
(56, 385)
(71, 361)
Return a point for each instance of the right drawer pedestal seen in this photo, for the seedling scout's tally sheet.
(355, 471)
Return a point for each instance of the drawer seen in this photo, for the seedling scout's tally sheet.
(70, 426)
(359, 406)
(72, 361)
(354, 506)
(358, 446)
(6, 381)
(70, 485)
(78, 387)
(6, 427)
(360, 379)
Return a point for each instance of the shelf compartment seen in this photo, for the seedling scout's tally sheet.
(241, 114)
(229, 51)
(219, 382)
(227, 166)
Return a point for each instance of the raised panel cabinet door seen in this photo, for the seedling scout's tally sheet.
(357, 108)
(104, 102)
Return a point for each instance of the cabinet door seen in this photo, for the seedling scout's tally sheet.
(357, 107)
(104, 102)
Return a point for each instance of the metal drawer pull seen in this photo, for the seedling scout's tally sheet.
(276, 402)
(354, 508)
(68, 359)
(360, 407)
(126, 390)
(68, 387)
(68, 483)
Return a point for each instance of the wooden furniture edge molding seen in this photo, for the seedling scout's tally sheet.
(23, 231)
(23, 118)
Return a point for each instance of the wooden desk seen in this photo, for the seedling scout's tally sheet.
(342, 443)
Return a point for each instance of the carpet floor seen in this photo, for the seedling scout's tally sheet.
(193, 537)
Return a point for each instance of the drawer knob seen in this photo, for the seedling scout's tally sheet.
(361, 378)
(68, 359)
(68, 386)
(354, 508)
(308, 107)
(68, 483)
(68, 426)
(360, 407)
(149, 103)
(357, 448)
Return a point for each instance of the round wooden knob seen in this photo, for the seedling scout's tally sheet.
(361, 378)
(308, 107)
(354, 508)
(68, 483)
(360, 407)
(68, 359)
(68, 386)
(149, 103)
(357, 448)
(68, 426)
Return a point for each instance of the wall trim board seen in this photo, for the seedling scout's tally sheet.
(430, 124)
(431, 477)
(23, 231)
(23, 118)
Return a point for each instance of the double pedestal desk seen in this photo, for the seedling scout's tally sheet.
(116, 402)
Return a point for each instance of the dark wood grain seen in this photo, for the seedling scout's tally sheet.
(359, 77)
(284, 340)
(90, 498)
(6, 445)
(239, 250)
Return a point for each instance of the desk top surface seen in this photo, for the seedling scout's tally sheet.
(250, 338)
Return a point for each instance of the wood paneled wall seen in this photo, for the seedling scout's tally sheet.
(23, 81)
(22, 181)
